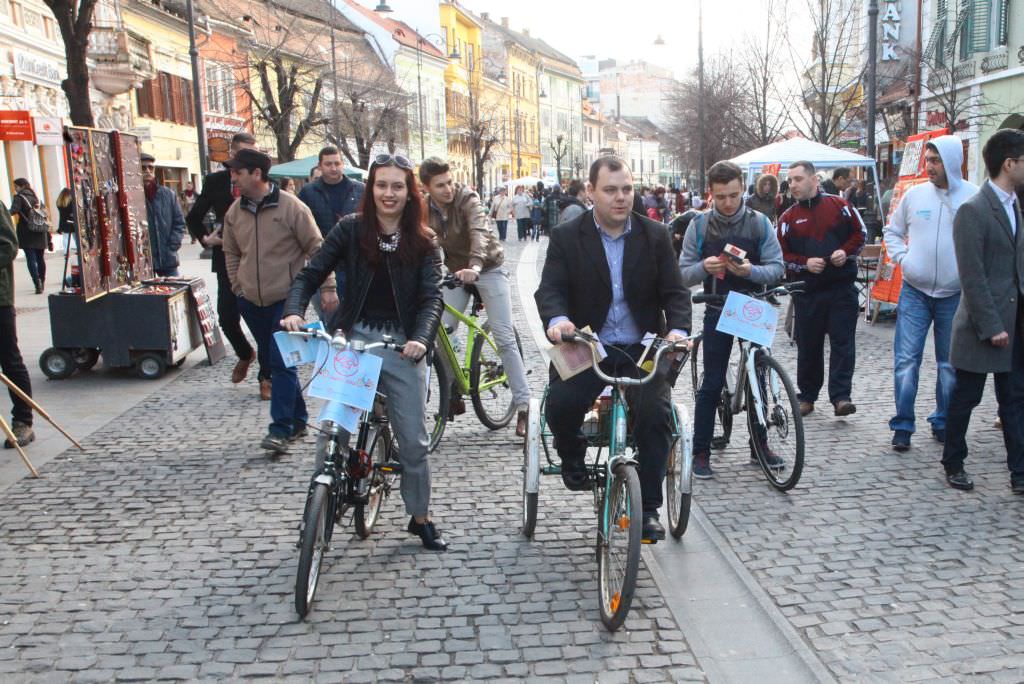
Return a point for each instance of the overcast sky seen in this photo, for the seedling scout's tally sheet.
(612, 28)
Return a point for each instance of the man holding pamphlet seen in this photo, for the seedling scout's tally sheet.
(731, 248)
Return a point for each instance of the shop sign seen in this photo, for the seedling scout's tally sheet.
(15, 125)
(29, 67)
(143, 133)
(48, 130)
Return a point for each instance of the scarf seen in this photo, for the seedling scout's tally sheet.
(150, 188)
(729, 220)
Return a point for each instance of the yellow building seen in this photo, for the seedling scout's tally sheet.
(163, 110)
(463, 38)
(494, 110)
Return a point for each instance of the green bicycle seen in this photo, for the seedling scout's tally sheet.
(480, 372)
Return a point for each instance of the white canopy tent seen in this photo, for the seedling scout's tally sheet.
(801, 149)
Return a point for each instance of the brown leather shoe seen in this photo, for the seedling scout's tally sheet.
(845, 407)
(806, 407)
(457, 406)
(521, 423)
(241, 369)
(265, 390)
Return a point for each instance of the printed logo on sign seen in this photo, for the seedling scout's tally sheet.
(346, 363)
(752, 311)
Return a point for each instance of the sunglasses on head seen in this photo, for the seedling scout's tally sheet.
(393, 160)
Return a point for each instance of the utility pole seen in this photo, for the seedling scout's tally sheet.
(700, 92)
(197, 102)
(872, 74)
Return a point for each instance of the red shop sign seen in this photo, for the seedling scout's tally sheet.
(15, 125)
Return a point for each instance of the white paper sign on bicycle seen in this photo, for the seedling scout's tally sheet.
(749, 319)
(346, 379)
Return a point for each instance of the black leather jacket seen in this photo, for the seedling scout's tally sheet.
(417, 289)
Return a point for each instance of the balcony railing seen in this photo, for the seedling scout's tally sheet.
(995, 63)
(123, 59)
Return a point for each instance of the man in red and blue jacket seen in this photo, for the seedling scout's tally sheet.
(821, 236)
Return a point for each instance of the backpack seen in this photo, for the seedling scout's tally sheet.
(38, 222)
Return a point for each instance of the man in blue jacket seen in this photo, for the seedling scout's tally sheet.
(330, 197)
(166, 222)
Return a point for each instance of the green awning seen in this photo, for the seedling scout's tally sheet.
(300, 168)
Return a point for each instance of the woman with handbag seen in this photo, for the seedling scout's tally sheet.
(33, 231)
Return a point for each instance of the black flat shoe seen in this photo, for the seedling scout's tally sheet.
(653, 531)
(961, 481)
(575, 478)
(428, 534)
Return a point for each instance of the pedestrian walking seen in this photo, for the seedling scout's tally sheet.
(475, 257)
(522, 206)
(839, 182)
(537, 215)
(501, 212)
(217, 196)
(821, 236)
(166, 222)
(919, 238)
(575, 201)
(66, 225)
(33, 231)
(552, 210)
(11, 362)
(766, 196)
(729, 222)
(396, 291)
(988, 328)
(612, 270)
(268, 236)
(188, 200)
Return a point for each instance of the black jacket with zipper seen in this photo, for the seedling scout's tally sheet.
(417, 288)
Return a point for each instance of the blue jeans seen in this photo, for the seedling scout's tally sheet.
(716, 348)
(915, 313)
(287, 407)
(36, 264)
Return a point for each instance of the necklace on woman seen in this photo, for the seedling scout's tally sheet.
(388, 243)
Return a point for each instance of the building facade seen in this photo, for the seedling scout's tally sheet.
(463, 79)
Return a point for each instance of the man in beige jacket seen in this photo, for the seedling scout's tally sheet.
(268, 237)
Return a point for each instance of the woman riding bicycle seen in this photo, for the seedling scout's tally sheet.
(394, 267)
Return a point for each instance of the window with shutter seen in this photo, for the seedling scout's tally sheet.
(166, 112)
(1002, 23)
(981, 26)
(959, 36)
(144, 99)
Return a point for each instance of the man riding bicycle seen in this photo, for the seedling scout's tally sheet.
(474, 255)
(704, 260)
(613, 270)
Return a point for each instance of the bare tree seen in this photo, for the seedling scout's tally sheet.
(74, 17)
(831, 74)
(944, 86)
(479, 122)
(287, 64)
(559, 150)
(766, 103)
(371, 108)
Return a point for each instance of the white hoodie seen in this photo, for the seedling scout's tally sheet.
(919, 236)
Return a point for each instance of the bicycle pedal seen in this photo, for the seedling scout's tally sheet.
(395, 468)
(648, 541)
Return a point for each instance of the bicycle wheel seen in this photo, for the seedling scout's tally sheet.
(531, 469)
(722, 430)
(365, 515)
(311, 549)
(679, 480)
(618, 553)
(780, 446)
(439, 388)
(493, 405)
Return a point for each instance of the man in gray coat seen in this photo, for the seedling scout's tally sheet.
(988, 328)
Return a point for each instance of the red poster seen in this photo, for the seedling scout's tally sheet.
(15, 125)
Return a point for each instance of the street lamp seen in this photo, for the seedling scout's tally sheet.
(197, 103)
(872, 74)
(382, 7)
(700, 93)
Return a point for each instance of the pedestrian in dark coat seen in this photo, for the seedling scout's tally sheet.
(33, 243)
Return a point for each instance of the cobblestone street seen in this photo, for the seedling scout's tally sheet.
(167, 552)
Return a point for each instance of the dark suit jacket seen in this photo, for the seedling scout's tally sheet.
(576, 281)
(216, 195)
(991, 265)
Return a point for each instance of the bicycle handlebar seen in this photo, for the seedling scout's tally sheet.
(780, 290)
(341, 344)
(592, 340)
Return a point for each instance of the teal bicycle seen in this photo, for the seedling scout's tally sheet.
(480, 372)
(614, 480)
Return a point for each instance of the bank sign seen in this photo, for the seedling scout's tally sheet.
(29, 67)
(898, 30)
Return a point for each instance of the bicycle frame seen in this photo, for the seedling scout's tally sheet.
(460, 369)
(749, 352)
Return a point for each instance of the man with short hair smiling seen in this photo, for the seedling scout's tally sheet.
(728, 223)
(820, 236)
(988, 329)
(268, 237)
(613, 271)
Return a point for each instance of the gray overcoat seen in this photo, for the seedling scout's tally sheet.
(991, 265)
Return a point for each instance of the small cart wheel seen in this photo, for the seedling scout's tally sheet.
(57, 364)
(85, 358)
(150, 366)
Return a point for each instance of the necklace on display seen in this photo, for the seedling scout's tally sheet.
(388, 243)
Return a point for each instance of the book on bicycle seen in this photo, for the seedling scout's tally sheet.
(572, 358)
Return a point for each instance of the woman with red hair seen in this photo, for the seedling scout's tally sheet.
(393, 271)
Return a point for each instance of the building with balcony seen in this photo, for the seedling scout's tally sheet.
(463, 78)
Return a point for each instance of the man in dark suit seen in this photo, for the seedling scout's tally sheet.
(219, 195)
(613, 270)
(988, 328)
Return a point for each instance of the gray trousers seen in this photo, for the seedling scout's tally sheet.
(496, 292)
(405, 385)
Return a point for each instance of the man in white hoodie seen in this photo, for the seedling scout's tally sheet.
(919, 237)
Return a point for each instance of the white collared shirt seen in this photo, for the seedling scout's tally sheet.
(1007, 199)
